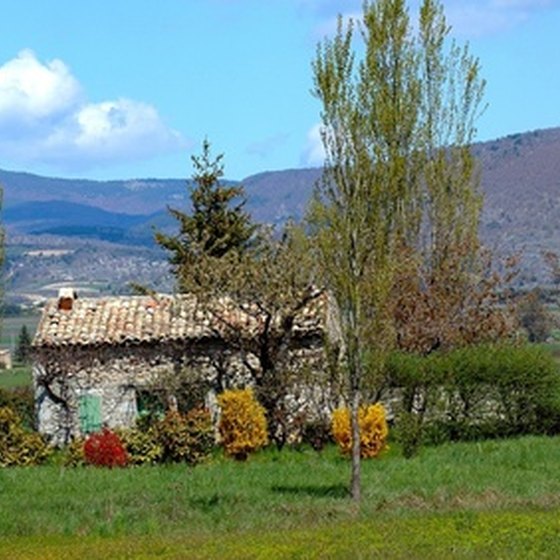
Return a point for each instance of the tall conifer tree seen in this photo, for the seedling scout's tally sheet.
(217, 226)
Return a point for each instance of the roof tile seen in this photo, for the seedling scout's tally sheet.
(116, 320)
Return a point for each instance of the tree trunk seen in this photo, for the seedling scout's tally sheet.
(356, 479)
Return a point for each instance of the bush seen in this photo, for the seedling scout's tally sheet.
(22, 401)
(316, 433)
(105, 449)
(475, 392)
(373, 430)
(141, 446)
(74, 453)
(243, 427)
(185, 437)
(19, 447)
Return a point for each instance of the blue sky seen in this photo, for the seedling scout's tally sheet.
(130, 88)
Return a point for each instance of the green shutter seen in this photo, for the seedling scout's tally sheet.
(90, 413)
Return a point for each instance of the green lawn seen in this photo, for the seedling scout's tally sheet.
(16, 377)
(488, 499)
(11, 327)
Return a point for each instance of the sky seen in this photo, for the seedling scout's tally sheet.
(123, 89)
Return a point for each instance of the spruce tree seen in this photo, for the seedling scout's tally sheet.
(217, 226)
(23, 349)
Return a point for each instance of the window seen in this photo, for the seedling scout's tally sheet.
(149, 404)
(90, 413)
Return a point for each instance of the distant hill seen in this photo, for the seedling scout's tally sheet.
(520, 176)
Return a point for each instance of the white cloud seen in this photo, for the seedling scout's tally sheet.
(314, 151)
(45, 118)
(32, 91)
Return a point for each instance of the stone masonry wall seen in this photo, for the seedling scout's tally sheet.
(115, 373)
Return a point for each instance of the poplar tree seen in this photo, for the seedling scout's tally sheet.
(399, 182)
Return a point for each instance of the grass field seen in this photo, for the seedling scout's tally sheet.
(16, 377)
(11, 327)
(478, 500)
(475, 535)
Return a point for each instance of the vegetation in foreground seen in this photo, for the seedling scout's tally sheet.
(532, 534)
(277, 491)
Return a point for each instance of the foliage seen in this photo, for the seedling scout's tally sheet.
(262, 280)
(373, 430)
(23, 348)
(534, 317)
(316, 433)
(73, 453)
(185, 437)
(399, 176)
(474, 393)
(460, 302)
(242, 424)
(142, 446)
(19, 447)
(255, 300)
(105, 449)
(215, 228)
(22, 401)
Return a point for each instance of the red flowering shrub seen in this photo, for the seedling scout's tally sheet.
(105, 449)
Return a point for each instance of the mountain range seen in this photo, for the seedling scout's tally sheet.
(58, 229)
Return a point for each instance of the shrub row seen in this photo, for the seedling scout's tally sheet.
(470, 393)
(178, 437)
(474, 393)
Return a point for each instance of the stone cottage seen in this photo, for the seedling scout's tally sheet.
(95, 359)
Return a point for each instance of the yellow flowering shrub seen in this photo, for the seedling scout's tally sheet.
(242, 426)
(19, 447)
(373, 430)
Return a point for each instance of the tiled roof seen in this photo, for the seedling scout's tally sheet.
(135, 319)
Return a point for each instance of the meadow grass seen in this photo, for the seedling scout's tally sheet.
(472, 535)
(280, 499)
(16, 377)
(11, 328)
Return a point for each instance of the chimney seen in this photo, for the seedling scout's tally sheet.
(66, 297)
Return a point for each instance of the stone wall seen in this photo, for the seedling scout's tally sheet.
(116, 372)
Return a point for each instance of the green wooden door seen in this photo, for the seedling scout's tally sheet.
(90, 413)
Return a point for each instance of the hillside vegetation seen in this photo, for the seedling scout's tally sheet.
(99, 235)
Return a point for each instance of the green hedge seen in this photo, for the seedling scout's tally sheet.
(473, 393)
